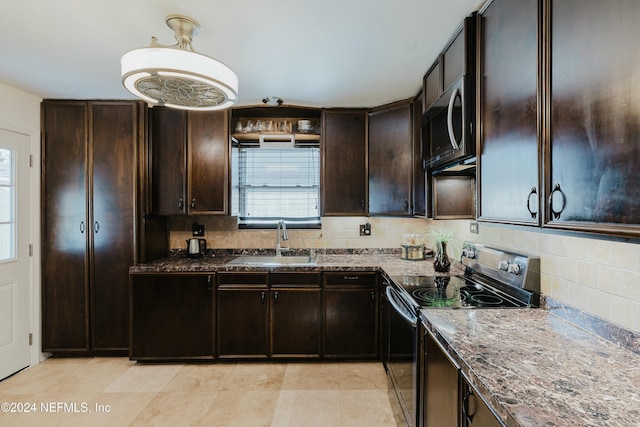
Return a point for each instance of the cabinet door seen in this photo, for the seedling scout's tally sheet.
(64, 227)
(350, 317)
(593, 179)
(344, 175)
(114, 130)
(295, 322)
(171, 316)
(432, 85)
(208, 166)
(419, 176)
(390, 149)
(475, 413)
(508, 162)
(440, 396)
(242, 327)
(168, 161)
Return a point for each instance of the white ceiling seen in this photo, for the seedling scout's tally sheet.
(341, 53)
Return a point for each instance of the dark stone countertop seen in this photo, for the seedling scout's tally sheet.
(536, 369)
(533, 367)
(391, 263)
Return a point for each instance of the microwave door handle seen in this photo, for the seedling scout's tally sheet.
(452, 136)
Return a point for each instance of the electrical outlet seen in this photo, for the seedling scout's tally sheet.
(197, 229)
(365, 229)
(473, 227)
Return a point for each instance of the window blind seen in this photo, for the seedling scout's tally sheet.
(276, 183)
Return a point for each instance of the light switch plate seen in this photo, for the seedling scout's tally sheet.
(365, 229)
(473, 227)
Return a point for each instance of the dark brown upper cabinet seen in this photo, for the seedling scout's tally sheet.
(419, 176)
(592, 153)
(390, 152)
(90, 171)
(344, 162)
(508, 119)
(189, 162)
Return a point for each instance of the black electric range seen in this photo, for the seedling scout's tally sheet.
(493, 278)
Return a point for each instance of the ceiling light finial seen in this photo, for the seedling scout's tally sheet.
(177, 76)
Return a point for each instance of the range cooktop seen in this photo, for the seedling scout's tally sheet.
(493, 278)
(454, 292)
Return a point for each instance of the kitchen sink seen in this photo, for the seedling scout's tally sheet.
(274, 261)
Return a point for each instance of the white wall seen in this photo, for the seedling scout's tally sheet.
(20, 112)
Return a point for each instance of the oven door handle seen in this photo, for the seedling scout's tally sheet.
(452, 135)
(413, 320)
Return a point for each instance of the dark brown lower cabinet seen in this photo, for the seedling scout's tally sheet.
(350, 315)
(475, 412)
(439, 386)
(171, 316)
(295, 322)
(242, 315)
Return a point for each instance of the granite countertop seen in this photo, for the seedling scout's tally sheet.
(390, 263)
(536, 369)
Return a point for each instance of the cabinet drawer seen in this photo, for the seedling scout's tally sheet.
(358, 279)
(235, 280)
(294, 279)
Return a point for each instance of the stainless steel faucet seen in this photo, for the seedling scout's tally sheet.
(281, 230)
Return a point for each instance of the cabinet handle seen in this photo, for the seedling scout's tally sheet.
(82, 227)
(351, 277)
(424, 343)
(275, 297)
(452, 135)
(556, 214)
(531, 193)
(373, 298)
(362, 206)
(193, 203)
(181, 204)
(209, 282)
(263, 295)
(96, 227)
(406, 205)
(465, 407)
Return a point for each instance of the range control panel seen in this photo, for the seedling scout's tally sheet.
(516, 269)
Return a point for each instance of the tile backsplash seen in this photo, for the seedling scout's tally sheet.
(601, 277)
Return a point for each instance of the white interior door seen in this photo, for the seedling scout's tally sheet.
(14, 251)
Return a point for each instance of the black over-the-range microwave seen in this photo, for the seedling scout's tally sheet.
(448, 126)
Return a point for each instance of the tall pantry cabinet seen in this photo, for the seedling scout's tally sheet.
(90, 186)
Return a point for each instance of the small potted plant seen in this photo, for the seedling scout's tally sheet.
(442, 238)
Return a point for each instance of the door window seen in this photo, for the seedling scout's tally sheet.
(7, 205)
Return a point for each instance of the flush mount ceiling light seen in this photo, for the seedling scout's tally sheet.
(176, 76)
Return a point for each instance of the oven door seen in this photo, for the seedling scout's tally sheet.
(403, 352)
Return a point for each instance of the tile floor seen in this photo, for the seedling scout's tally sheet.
(118, 392)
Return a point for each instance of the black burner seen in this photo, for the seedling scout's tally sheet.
(485, 299)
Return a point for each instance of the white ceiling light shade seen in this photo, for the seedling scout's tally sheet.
(177, 76)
